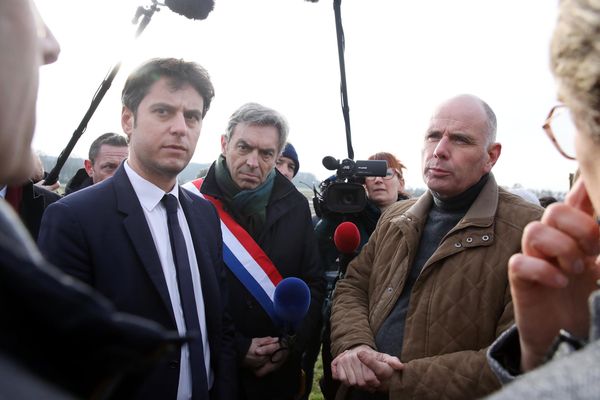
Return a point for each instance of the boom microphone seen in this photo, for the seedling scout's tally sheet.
(346, 238)
(193, 9)
(291, 302)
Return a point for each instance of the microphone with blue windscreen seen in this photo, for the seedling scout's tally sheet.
(291, 302)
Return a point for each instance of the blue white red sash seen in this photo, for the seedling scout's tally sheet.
(243, 256)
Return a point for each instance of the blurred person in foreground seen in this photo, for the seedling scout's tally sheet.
(553, 351)
(58, 338)
(381, 193)
(429, 292)
(106, 153)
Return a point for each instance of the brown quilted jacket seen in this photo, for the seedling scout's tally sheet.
(459, 304)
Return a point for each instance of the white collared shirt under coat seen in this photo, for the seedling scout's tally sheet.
(150, 197)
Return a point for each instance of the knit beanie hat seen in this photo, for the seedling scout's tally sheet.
(290, 152)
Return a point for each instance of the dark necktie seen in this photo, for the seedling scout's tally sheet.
(188, 302)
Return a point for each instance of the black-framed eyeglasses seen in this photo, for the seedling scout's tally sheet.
(560, 128)
(389, 174)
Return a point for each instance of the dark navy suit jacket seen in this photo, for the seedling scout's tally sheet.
(100, 235)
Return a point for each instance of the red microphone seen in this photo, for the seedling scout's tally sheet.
(346, 238)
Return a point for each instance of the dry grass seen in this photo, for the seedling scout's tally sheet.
(315, 393)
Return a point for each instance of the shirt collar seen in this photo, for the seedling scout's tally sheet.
(148, 193)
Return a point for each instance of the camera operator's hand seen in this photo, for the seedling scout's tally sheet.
(553, 278)
(260, 351)
(374, 375)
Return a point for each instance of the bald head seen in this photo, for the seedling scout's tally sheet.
(468, 106)
(459, 145)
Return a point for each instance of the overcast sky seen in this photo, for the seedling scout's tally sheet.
(402, 58)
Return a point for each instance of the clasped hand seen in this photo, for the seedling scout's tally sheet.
(365, 368)
(265, 355)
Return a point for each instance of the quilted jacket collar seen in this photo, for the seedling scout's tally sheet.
(481, 213)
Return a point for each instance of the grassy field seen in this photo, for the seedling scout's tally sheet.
(315, 393)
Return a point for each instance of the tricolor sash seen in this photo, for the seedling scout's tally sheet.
(243, 256)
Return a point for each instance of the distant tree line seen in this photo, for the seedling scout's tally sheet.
(303, 180)
(74, 163)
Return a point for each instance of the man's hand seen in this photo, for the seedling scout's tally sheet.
(383, 366)
(553, 278)
(274, 362)
(260, 351)
(351, 371)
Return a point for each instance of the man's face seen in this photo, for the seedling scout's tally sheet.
(286, 166)
(26, 44)
(250, 154)
(164, 133)
(106, 163)
(456, 153)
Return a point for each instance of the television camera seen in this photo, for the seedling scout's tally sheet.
(343, 193)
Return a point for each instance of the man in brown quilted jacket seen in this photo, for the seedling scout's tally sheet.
(429, 292)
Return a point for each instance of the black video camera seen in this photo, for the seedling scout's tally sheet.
(344, 193)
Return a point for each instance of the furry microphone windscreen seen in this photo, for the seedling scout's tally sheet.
(291, 301)
(193, 9)
(346, 237)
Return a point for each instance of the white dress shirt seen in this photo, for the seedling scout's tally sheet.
(150, 197)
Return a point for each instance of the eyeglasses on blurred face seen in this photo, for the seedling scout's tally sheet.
(560, 128)
(389, 174)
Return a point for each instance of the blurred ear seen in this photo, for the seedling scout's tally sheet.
(493, 153)
(223, 144)
(127, 121)
(87, 164)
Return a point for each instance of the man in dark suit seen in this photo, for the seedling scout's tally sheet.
(58, 338)
(152, 248)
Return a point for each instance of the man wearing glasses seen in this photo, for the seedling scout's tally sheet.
(429, 292)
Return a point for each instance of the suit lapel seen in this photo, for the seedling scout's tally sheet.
(136, 226)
